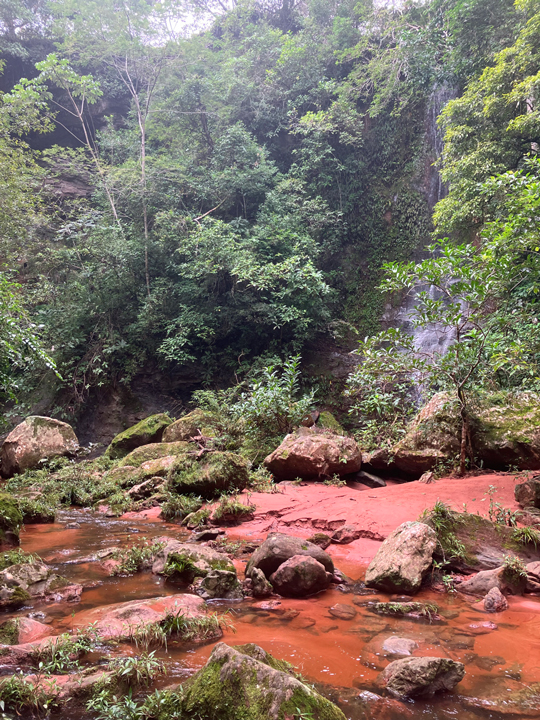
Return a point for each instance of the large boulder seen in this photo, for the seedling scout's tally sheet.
(209, 475)
(149, 430)
(501, 578)
(527, 493)
(300, 576)
(196, 423)
(11, 520)
(403, 559)
(421, 676)
(278, 547)
(221, 584)
(247, 683)
(186, 561)
(311, 454)
(153, 451)
(505, 432)
(35, 439)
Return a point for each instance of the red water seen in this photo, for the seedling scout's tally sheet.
(344, 655)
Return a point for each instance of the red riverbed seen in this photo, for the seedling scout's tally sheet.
(345, 655)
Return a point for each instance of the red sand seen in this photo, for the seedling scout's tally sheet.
(312, 507)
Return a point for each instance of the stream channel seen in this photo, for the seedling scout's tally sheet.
(501, 652)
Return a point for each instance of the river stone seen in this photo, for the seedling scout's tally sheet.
(495, 601)
(517, 704)
(300, 576)
(403, 559)
(485, 580)
(149, 430)
(321, 539)
(35, 439)
(260, 587)
(533, 577)
(153, 451)
(197, 560)
(247, 683)
(278, 547)
(527, 494)
(311, 454)
(368, 479)
(198, 422)
(219, 584)
(20, 582)
(399, 646)
(346, 534)
(342, 611)
(421, 677)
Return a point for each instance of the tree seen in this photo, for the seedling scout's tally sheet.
(462, 296)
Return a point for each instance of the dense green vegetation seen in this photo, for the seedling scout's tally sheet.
(184, 187)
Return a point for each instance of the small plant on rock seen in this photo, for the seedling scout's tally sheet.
(177, 507)
(514, 570)
(136, 557)
(526, 536)
(137, 670)
(231, 509)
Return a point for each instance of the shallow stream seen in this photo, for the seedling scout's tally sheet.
(501, 652)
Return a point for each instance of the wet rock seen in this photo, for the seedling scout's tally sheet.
(300, 576)
(346, 534)
(197, 423)
(34, 440)
(260, 587)
(368, 479)
(342, 611)
(489, 662)
(72, 526)
(495, 601)
(399, 646)
(219, 584)
(22, 630)
(411, 610)
(278, 547)
(403, 559)
(320, 539)
(376, 707)
(122, 619)
(186, 561)
(482, 628)
(485, 580)
(421, 677)
(308, 454)
(149, 430)
(19, 583)
(527, 494)
(246, 683)
(518, 703)
(207, 534)
(533, 577)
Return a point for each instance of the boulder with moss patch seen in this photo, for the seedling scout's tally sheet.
(149, 430)
(154, 451)
(328, 422)
(210, 474)
(247, 683)
(403, 559)
(196, 423)
(311, 454)
(421, 676)
(186, 561)
(11, 520)
(300, 576)
(20, 582)
(278, 548)
(34, 440)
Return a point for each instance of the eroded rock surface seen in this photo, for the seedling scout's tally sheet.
(421, 677)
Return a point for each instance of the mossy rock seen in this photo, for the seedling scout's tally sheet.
(11, 520)
(9, 632)
(149, 430)
(246, 683)
(153, 451)
(209, 475)
(328, 422)
(197, 422)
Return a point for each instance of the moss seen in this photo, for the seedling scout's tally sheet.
(146, 431)
(153, 451)
(328, 421)
(11, 519)
(197, 422)
(9, 632)
(19, 597)
(17, 557)
(209, 475)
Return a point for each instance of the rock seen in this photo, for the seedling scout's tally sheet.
(495, 601)
(146, 488)
(121, 619)
(260, 587)
(11, 520)
(328, 422)
(346, 534)
(426, 612)
(219, 584)
(35, 439)
(198, 422)
(72, 526)
(417, 462)
(403, 559)
(186, 561)
(247, 683)
(521, 703)
(207, 534)
(310, 454)
(209, 475)
(365, 478)
(22, 630)
(499, 578)
(20, 582)
(380, 459)
(533, 577)
(300, 576)
(310, 418)
(399, 646)
(421, 677)
(278, 547)
(342, 611)
(427, 478)
(149, 430)
(320, 539)
(154, 451)
(527, 494)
